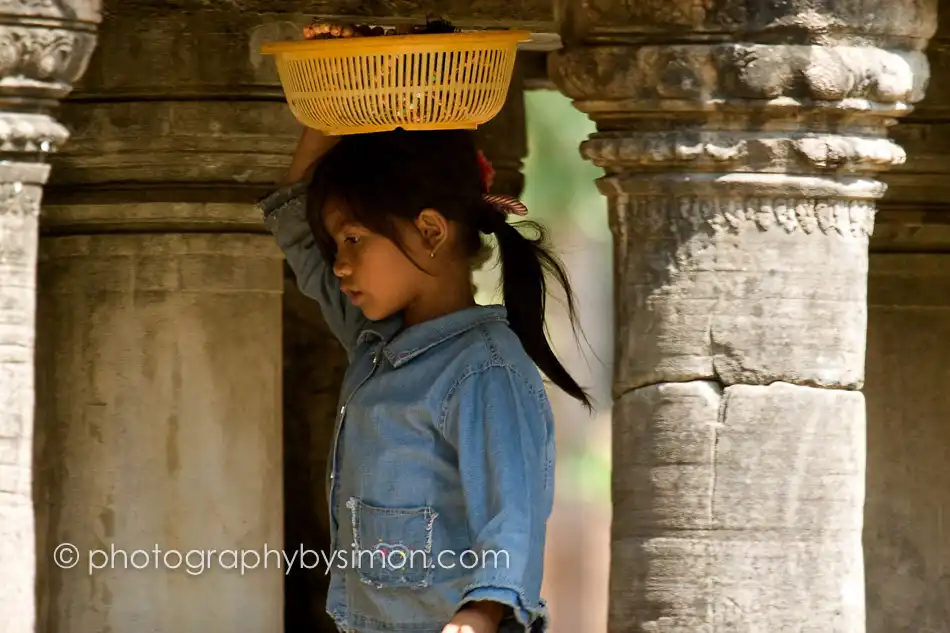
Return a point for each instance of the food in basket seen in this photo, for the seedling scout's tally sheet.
(331, 30)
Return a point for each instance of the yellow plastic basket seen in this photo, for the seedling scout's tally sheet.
(416, 82)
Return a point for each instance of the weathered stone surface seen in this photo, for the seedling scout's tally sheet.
(178, 127)
(741, 143)
(61, 217)
(20, 192)
(723, 488)
(134, 145)
(907, 535)
(177, 107)
(158, 425)
(740, 289)
(793, 21)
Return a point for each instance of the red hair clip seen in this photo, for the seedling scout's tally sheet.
(488, 172)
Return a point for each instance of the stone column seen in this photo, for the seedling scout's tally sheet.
(907, 531)
(44, 48)
(741, 143)
(159, 333)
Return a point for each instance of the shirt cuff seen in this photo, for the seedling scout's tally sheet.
(510, 598)
(277, 199)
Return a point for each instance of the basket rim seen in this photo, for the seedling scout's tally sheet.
(415, 41)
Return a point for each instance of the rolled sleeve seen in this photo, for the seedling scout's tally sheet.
(503, 440)
(285, 216)
(508, 597)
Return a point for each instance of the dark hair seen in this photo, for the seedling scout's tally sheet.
(384, 177)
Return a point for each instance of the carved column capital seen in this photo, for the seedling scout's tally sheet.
(694, 76)
(793, 109)
(45, 47)
(44, 59)
(739, 86)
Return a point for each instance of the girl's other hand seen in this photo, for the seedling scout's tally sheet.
(476, 617)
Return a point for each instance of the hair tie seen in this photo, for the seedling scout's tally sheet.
(501, 203)
(505, 204)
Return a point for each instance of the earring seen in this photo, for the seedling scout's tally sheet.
(432, 254)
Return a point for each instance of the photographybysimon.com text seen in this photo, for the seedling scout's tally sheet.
(382, 556)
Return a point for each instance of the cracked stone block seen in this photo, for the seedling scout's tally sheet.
(721, 488)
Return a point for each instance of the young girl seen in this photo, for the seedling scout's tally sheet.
(440, 477)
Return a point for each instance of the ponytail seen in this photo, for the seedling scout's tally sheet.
(523, 264)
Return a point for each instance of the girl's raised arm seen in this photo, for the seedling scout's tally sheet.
(285, 215)
(312, 146)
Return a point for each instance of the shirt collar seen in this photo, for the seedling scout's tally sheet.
(403, 346)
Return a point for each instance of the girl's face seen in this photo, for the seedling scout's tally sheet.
(374, 274)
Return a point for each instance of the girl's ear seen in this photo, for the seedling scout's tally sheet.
(433, 228)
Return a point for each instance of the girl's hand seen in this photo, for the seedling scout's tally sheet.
(476, 617)
(313, 144)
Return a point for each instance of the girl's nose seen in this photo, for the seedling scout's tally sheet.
(341, 268)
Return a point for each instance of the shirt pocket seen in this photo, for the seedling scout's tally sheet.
(393, 546)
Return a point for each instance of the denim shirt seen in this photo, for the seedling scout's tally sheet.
(440, 477)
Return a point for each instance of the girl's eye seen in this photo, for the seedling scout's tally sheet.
(352, 239)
